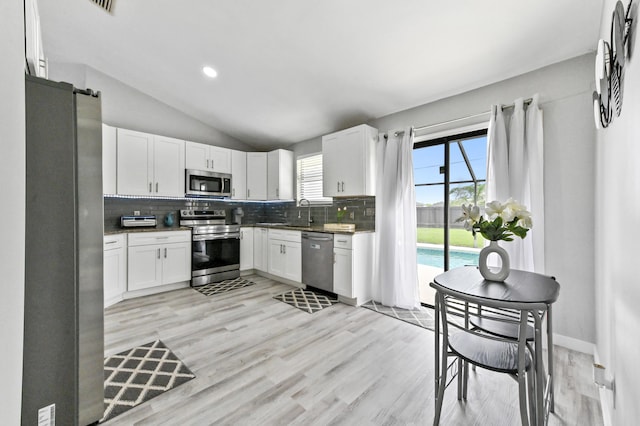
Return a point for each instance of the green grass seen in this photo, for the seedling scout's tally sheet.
(457, 237)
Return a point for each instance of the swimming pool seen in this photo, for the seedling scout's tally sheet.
(435, 257)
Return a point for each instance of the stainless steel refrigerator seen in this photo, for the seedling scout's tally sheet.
(63, 316)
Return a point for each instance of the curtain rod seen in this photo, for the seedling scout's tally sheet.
(417, 129)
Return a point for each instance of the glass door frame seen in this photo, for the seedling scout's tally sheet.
(446, 142)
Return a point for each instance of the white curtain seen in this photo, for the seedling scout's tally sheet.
(396, 265)
(515, 170)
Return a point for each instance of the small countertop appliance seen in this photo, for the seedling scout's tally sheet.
(138, 221)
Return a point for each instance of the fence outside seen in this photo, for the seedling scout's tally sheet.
(433, 217)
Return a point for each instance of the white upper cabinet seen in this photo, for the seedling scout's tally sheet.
(280, 175)
(238, 175)
(256, 175)
(134, 169)
(348, 163)
(196, 156)
(199, 156)
(109, 159)
(149, 165)
(168, 166)
(220, 159)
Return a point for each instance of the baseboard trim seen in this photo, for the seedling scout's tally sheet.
(574, 344)
(279, 279)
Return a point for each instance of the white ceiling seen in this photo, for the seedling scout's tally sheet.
(290, 70)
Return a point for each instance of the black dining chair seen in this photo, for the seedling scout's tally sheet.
(468, 344)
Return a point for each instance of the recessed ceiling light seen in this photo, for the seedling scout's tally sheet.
(209, 72)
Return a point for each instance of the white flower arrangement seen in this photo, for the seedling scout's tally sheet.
(502, 221)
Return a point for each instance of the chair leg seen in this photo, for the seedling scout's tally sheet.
(442, 383)
(531, 395)
(466, 380)
(522, 391)
(460, 378)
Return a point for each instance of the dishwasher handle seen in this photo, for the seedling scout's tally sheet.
(313, 238)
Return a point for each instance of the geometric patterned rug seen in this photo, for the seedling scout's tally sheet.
(422, 317)
(306, 300)
(223, 286)
(139, 374)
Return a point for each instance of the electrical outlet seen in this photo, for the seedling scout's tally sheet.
(136, 212)
(352, 215)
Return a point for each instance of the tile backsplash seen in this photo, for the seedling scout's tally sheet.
(363, 209)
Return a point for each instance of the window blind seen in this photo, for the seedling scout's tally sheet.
(309, 177)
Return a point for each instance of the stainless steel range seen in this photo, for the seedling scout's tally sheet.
(215, 246)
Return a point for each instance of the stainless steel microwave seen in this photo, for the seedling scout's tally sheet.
(200, 183)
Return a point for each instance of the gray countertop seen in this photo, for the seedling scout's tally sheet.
(318, 228)
(146, 229)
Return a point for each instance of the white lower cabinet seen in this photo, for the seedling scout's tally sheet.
(285, 254)
(115, 268)
(246, 248)
(261, 249)
(158, 258)
(353, 266)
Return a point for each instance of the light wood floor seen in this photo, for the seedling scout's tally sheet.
(260, 361)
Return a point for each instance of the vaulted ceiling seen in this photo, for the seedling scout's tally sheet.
(290, 70)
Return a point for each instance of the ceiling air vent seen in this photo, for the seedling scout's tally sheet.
(105, 4)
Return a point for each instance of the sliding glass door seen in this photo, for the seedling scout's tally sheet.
(448, 172)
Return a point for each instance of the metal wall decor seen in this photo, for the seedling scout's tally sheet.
(610, 58)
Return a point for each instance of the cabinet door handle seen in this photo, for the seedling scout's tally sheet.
(233, 192)
(158, 253)
(342, 186)
(207, 164)
(277, 192)
(284, 249)
(248, 192)
(241, 235)
(156, 186)
(150, 187)
(338, 186)
(165, 253)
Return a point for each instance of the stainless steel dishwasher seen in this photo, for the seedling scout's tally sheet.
(317, 260)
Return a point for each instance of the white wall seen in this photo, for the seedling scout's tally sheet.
(126, 107)
(565, 92)
(12, 194)
(617, 242)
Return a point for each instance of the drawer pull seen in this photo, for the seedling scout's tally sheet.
(111, 242)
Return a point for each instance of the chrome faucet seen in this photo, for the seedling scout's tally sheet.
(309, 218)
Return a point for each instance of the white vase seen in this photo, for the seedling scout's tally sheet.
(492, 274)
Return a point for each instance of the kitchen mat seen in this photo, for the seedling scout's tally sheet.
(422, 317)
(306, 300)
(140, 374)
(223, 286)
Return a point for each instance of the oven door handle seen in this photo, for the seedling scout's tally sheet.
(209, 237)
